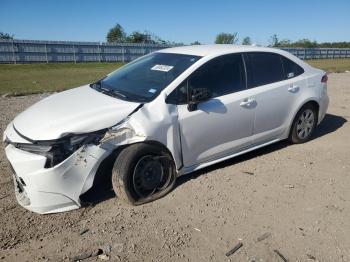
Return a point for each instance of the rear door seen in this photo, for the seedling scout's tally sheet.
(222, 125)
(276, 82)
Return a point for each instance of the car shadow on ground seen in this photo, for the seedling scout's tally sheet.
(329, 124)
(102, 189)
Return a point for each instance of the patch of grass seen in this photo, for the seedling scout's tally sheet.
(38, 78)
(337, 65)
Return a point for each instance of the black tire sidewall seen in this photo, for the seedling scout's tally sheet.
(124, 169)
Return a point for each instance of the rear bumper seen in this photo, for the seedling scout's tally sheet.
(57, 189)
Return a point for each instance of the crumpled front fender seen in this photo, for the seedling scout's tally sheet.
(156, 121)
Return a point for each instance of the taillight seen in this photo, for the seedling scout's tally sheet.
(324, 79)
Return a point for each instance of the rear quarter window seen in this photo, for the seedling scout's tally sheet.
(291, 69)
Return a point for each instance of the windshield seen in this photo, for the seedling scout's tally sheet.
(143, 79)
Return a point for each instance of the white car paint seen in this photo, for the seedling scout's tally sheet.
(221, 128)
(79, 110)
(226, 137)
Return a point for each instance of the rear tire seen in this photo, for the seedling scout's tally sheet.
(304, 124)
(143, 173)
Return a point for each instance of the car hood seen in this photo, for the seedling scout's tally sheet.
(78, 110)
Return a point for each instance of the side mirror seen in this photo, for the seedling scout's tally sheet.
(198, 95)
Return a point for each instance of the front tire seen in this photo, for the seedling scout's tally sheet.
(303, 125)
(143, 173)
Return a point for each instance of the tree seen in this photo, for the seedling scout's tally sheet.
(273, 41)
(284, 43)
(5, 36)
(145, 37)
(116, 34)
(305, 43)
(246, 41)
(138, 37)
(225, 38)
(158, 40)
(195, 43)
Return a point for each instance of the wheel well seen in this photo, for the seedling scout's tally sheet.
(158, 144)
(103, 174)
(314, 104)
(151, 142)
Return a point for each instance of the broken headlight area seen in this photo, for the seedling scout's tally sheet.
(58, 150)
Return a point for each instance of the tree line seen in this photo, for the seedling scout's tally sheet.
(305, 43)
(118, 34)
(274, 41)
(5, 36)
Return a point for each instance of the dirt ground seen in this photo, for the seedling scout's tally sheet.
(291, 198)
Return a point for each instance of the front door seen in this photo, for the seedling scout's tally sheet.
(222, 125)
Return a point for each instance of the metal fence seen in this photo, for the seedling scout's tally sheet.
(34, 51)
(319, 53)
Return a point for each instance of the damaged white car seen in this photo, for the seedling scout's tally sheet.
(166, 114)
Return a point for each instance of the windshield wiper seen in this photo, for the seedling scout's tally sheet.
(114, 93)
(118, 93)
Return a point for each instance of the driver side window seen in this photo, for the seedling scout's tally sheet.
(221, 76)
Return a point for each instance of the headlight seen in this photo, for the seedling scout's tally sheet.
(34, 148)
(58, 150)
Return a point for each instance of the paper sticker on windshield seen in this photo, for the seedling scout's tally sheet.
(163, 68)
(152, 90)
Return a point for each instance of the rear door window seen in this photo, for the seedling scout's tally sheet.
(263, 68)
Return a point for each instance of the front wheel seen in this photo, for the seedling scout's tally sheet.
(143, 173)
(303, 125)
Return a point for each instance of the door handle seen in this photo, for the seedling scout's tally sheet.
(247, 102)
(293, 88)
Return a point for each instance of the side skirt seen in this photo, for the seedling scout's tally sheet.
(186, 170)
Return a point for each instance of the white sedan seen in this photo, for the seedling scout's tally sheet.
(161, 116)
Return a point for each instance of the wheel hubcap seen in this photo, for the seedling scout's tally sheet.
(150, 176)
(305, 124)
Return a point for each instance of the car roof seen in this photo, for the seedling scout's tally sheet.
(218, 49)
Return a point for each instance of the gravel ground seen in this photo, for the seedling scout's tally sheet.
(294, 199)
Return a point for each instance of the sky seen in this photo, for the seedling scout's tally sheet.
(178, 21)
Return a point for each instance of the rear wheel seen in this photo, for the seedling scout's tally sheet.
(143, 173)
(304, 124)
